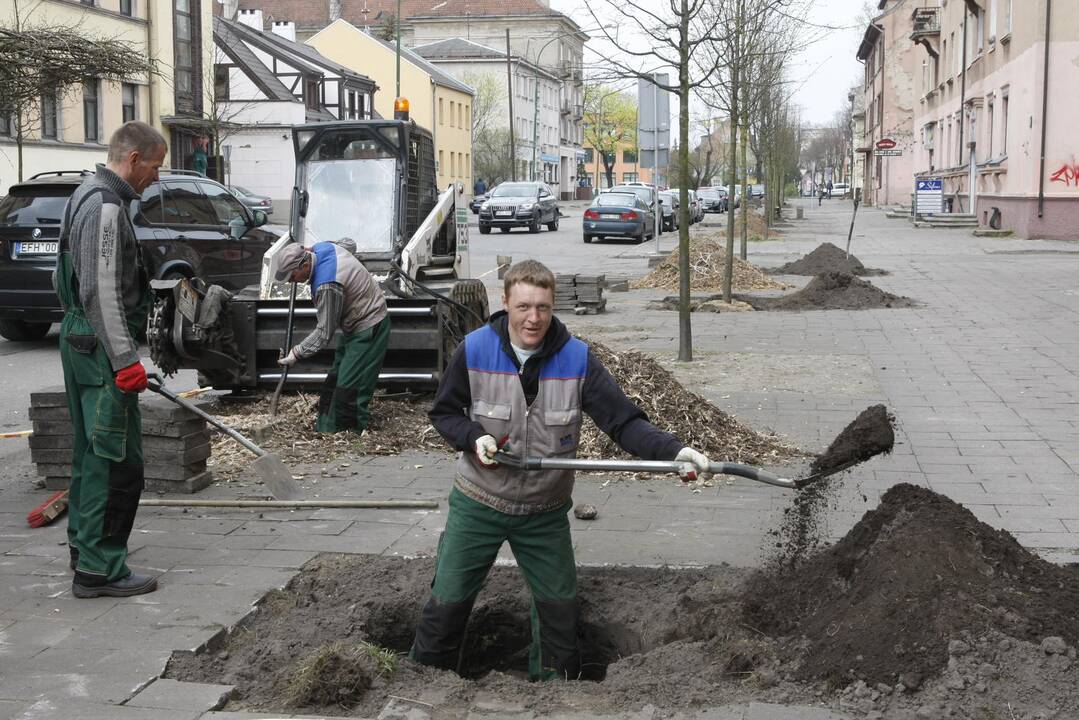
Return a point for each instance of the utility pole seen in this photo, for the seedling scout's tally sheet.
(509, 84)
(535, 127)
(398, 48)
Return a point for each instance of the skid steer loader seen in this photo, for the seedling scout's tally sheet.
(370, 185)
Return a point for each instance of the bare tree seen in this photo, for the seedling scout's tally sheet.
(651, 36)
(490, 138)
(39, 60)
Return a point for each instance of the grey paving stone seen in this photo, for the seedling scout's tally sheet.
(175, 695)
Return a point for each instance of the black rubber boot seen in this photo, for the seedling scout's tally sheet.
(133, 584)
(440, 632)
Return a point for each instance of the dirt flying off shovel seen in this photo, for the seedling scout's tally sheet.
(274, 473)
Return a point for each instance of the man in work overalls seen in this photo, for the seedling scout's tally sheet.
(524, 380)
(346, 297)
(105, 292)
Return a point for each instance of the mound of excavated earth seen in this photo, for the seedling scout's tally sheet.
(832, 291)
(826, 258)
(707, 268)
(894, 599)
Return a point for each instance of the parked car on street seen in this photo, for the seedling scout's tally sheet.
(645, 193)
(840, 190)
(696, 212)
(668, 203)
(723, 190)
(618, 214)
(253, 201)
(188, 225)
(712, 201)
(756, 191)
(478, 200)
(519, 204)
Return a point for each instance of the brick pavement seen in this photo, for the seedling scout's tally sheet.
(980, 377)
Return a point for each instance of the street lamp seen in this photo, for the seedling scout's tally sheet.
(535, 99)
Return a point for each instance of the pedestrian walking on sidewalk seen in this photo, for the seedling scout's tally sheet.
(520, 383)
(346, 297)
(104, 288)
(479, 188)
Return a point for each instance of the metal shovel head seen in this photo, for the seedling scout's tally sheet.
(277, 477)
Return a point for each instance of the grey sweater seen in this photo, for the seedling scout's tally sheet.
(107, 262)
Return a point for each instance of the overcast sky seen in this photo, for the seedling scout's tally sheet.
(825, 71)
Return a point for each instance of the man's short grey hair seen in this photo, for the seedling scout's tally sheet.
(132, 136)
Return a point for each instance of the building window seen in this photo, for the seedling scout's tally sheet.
(5, 125)
(1007, 17)
(993, 21)
(1004, 124)
(628, 177)
(629, 156)
(441, 171)
(130, 95)
(453, 164)
(127, 7)
(979, 28)
(989, 127)
(461, 115)
(48, 116)
(89, 111)
(311, 94)
(452, 110)
(186, 61)
(589, 155)
(441, 114)
(221, 82)
(91, 3)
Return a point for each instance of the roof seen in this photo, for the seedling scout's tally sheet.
(869, 40)
(240, 54)
(310, 14)
(273, 43)
(457, 47)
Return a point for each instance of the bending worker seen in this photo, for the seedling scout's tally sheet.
(105, 292)
(520, 383)
(345, 296)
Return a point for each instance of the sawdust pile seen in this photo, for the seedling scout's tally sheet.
(707, 260)
(684, 414)
(398, 424)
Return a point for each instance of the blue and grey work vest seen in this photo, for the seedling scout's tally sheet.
(550, 427)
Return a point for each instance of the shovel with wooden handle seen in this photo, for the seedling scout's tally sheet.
(274, 473)
(288, 346)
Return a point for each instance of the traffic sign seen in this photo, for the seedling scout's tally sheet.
(885, 144)
(890, 152)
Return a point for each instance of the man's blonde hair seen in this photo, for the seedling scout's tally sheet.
(531, 272)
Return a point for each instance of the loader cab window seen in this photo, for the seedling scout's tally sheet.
(352, 198)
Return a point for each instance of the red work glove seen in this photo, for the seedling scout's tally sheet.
(132, 378)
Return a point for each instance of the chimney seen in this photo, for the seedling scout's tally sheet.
(251, 18)
(284, 28)
(335, 9)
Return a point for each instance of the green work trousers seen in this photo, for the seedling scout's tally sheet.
(350, 384)
(106, 464)
(543, 548)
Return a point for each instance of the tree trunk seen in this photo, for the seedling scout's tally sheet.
(728, 268)
(19, 142)
(685, 331)
(745, 176)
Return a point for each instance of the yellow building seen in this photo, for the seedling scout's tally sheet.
(438, 102)
(71, 130)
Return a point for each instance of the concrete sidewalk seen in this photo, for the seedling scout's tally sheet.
(982, 378)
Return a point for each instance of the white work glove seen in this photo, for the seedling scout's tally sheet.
(290, 359)
(693, 464)
(486, 447)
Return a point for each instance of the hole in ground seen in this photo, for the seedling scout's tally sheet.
(498, 639)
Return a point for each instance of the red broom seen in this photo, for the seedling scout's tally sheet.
(48, 511)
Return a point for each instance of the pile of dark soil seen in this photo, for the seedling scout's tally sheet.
(832, 291)
(826, 258)
(912, 577)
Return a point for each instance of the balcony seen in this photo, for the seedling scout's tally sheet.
(925, 30)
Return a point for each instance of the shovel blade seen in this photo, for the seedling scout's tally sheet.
(278, 477)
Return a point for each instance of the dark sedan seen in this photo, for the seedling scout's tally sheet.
(712, 201)
(519, 204)
(618, 214)
(188, 226)
(253, 201)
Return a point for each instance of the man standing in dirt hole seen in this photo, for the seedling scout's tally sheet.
(519, 384)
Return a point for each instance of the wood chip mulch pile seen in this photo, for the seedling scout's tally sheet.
(400, 424)
(707, 261)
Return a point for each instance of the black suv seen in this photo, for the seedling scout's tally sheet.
(188, 225)
(519, 204)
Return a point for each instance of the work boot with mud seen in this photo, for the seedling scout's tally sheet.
(133, 584)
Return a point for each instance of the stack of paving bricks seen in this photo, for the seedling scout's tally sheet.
(565, 292)
(590, 298)
(175, 443)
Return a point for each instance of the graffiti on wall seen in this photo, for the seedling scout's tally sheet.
(1067, 174)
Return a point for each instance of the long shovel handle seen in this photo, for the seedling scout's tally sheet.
(288, 346)
(649, 466)
(155, 383)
